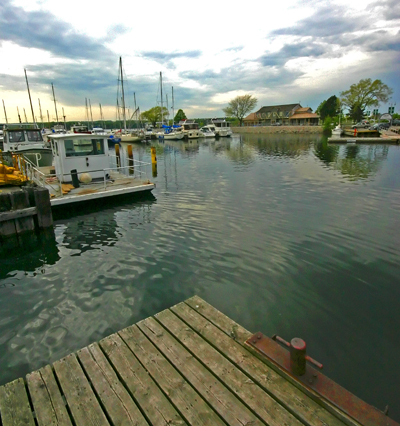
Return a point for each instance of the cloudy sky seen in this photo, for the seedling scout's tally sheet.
(209, 52)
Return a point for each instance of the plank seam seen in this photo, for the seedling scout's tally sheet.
(122, 381)
(208, 369)
(29, 400)
(67, 407)
(154, 380)
(187, 380)
(93, 388)
(274, 397)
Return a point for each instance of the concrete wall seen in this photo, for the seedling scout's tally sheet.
(278, 129)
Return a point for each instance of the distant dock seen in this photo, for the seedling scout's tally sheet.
(187, 365)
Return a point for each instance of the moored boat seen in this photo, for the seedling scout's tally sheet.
(27, 139)
(221, 127)
(85, 170)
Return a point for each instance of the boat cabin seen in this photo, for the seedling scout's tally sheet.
(19, 137)
(220, 122)
(79, 153)
(80, 128)
(189, 125)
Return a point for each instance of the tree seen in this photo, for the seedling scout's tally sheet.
(356, 112)
(180, 115)
(330, 107)
(154, 114)
(366, 93)
(240, 106)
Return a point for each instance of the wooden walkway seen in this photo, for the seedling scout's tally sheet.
(187, 365)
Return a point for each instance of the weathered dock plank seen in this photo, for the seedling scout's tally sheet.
(178, 390)
(82, 402)
(220, 331)
(14, 405)
(187, 365)
(242, 385)
(154, 404)
(47, 401)
(221, 399)
(118, 404)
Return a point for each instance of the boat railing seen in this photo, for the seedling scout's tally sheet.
(46, 180)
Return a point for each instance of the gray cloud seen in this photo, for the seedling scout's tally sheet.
(296, 50)
(43, 30)
(389, 10)
(162, 57)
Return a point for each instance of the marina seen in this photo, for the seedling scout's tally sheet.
(189, 364)
(278, 232)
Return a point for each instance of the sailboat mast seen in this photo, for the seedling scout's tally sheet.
(30, 100)
(55, 104)
(19, 117)
(65, 126)
(91, 115)
(48, 117)
(162, 106)
(26, 120)
(41, 115)
(101, 116)
(5, 112)
(173, 111)
(87, 113)
(123, 95)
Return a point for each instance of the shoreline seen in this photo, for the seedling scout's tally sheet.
(278, 129)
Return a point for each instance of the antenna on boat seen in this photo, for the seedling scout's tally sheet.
(162, 106)
(5, 113)
(123, 95)
(65, 126)
(172, 107)
(87, 113)
(30, 100)
(41, 116)
(91, 115)
(55, 104)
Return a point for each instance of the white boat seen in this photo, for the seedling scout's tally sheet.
(27, 139)
(207, 132)
(1, 139)
(80, 128)
(85, 170)
(221, 127)
(190, 129)
(172, 133)
(337, 131)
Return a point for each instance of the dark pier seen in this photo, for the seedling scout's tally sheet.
(187, 365)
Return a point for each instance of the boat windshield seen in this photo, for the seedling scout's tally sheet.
(17, 136)
(83, 147)
(34, 136)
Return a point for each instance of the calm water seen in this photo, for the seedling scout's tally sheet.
(284, 234)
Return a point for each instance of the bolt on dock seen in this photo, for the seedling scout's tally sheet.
(187, 365)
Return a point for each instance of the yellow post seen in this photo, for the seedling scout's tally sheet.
(130, 160)
(117, 154)
(153, 155)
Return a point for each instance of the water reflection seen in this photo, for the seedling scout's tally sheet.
(354, 161)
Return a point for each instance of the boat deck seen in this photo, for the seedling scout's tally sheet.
(118, 184)
(187, 365)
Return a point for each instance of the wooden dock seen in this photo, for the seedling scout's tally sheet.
(187, 365)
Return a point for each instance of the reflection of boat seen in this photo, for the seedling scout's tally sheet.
(84, 170)
(27, 139)
(206, 132)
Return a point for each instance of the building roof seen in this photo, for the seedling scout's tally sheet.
(306, 109)
(304, 115)
(251, 116)
(286, 107)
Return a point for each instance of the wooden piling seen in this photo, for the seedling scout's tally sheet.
(19, 201)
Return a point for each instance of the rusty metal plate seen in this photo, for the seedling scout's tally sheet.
(350, 404)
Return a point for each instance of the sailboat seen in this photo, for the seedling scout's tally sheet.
(337, 131)
(123, 134)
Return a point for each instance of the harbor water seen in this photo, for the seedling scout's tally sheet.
(285, 234)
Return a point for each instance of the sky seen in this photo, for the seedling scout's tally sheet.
(209, 52)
